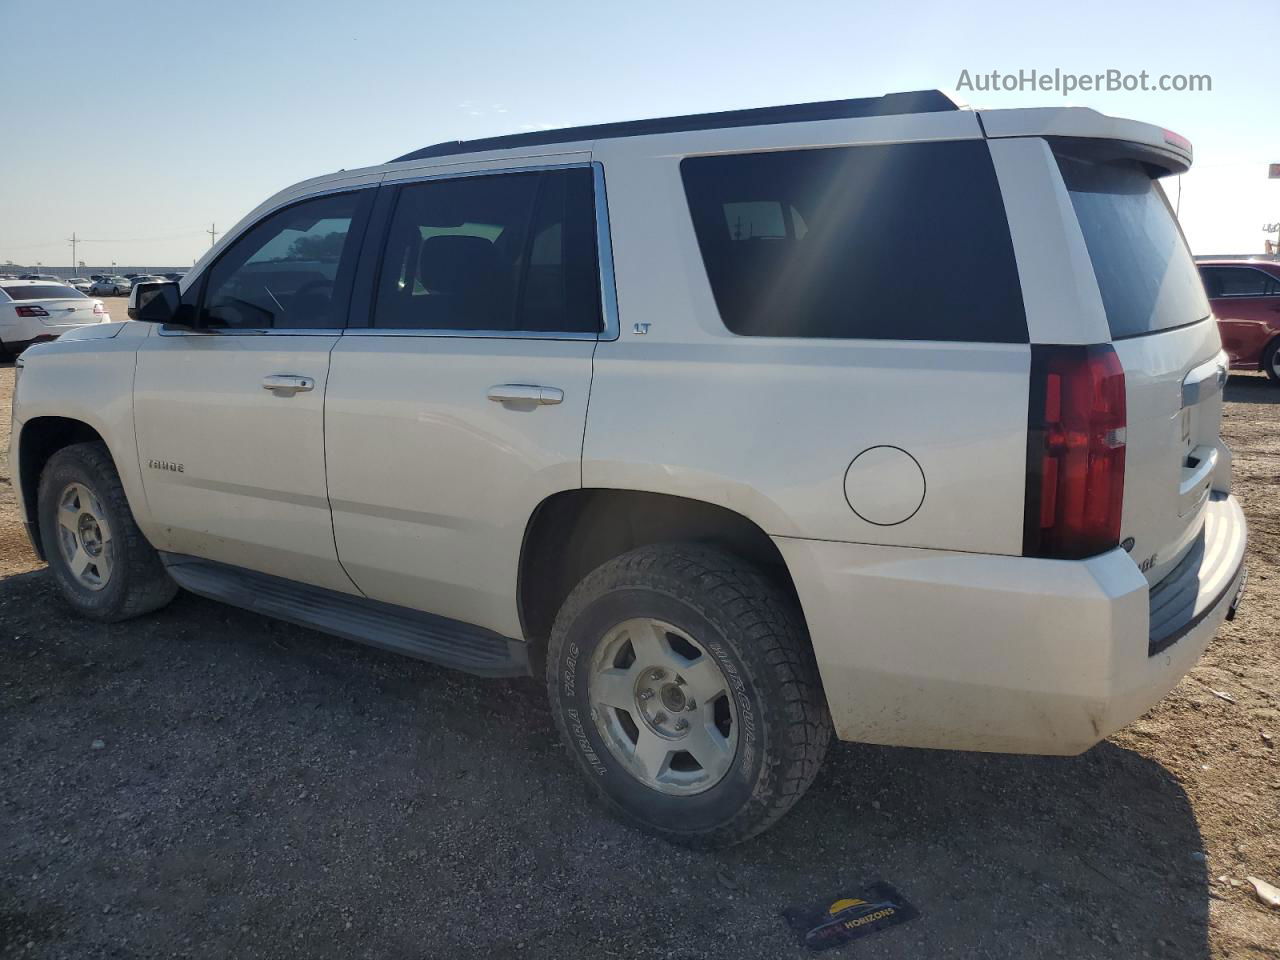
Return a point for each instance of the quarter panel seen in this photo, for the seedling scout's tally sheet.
(768, 428)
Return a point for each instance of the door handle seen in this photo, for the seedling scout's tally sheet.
(286, 385)
(525, 393)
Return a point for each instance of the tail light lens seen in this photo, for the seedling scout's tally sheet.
(32, 312)
(1075, 452)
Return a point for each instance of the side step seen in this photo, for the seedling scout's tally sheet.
(425, 636)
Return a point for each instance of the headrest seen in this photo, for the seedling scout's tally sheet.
(452, 264)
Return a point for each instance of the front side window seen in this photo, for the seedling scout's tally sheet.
(887, 242)
(288, 269)
(499, 252)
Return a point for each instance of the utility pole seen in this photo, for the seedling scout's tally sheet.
(73, 241)
(213, 233)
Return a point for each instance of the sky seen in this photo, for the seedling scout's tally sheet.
(138, 124)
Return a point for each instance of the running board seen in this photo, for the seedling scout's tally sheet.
(425, 636)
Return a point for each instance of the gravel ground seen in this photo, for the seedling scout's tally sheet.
(204, 782)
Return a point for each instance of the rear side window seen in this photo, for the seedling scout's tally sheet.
(1238, 282)
(887, 242)
(1145, 273)
(43, 291)
(497, 253)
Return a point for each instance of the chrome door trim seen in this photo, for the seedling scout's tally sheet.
(604, 255)
(252, 332)
(472, 334)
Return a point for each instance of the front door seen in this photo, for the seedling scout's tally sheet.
(461, 406)
(230, 419)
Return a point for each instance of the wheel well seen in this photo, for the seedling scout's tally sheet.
(572, 533)
(41, 438)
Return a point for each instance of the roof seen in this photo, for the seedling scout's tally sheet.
(890, 104)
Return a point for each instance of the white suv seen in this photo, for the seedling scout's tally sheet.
(880, 417)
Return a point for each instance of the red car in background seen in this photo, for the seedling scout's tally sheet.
(1245, 297)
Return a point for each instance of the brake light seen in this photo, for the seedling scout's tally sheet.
(1075, 452)
(32, 312)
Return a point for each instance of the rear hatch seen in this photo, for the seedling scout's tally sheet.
(1166, 341)
(62, 306)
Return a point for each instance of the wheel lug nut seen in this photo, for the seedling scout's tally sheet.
(682, 724)
(646, 694)
(692, 704)
(658, 674)
(659, 717)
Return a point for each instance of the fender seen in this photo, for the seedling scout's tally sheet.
(86, 376)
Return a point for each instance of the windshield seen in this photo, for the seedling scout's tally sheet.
(1145, 273)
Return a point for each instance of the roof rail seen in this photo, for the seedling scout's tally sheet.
(917, 101)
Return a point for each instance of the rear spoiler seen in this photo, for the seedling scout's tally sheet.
(1158, 146)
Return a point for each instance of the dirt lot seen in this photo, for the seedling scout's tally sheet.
(259, 790)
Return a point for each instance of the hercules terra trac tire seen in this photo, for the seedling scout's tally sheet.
(135, 581)
(699, 603)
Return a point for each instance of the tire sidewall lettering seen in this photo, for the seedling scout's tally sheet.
(571, 678)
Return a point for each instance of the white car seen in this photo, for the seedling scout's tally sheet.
(80, 283)
(689, 417)
(111, 287)
(36, 310)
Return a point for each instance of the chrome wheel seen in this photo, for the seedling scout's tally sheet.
(663, 707)
(84, 536)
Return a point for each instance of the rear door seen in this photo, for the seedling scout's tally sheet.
(461, 405)
(230, 420)
(1168, 344)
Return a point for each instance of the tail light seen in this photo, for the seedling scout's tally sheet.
(1075, 452)
(98, 308)
(32, 312)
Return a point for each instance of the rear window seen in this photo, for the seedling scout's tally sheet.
(1145, 273)
(42, 291)
(888, 242)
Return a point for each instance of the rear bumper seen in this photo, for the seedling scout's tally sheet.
(927, 648)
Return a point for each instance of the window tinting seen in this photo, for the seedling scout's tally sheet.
(1238, 282)
(896, 242)
(285, 271)
(1145, 273)
(42, 291)
(500, 252)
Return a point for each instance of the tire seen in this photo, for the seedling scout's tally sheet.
(121, 575)
(710, 622)
(1271, 360)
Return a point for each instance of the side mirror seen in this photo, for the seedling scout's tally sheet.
(160, 303)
